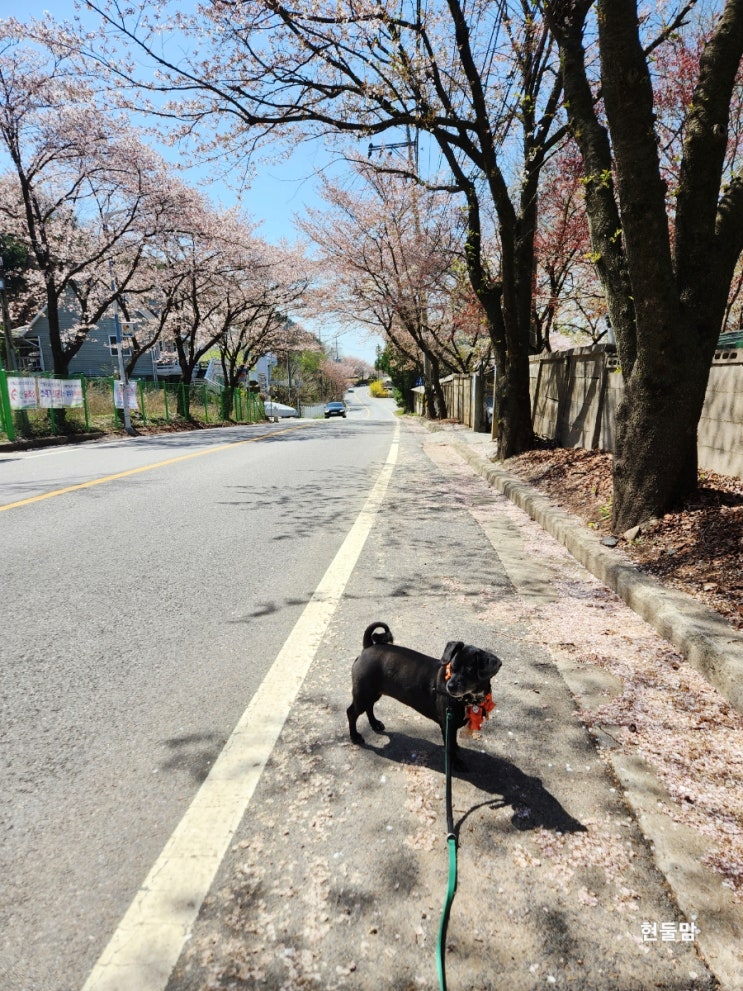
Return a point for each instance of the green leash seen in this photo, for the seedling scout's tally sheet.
(451, 840)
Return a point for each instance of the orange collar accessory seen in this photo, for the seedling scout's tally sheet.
(475, 714)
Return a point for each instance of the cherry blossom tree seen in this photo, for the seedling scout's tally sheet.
(393, 248)
(22, 288)
(296, 346)
(276, 281)
(82, 192)
(202, 270)
(675, 69)
(338, 373)
(104, 219)
(565, 276)
(209, 283)
(666, 280)
(480, 78)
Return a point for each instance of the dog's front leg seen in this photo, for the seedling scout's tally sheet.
(455, 753)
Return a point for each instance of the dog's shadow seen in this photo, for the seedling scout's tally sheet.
(534, 807)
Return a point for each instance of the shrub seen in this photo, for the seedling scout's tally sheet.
(378, 390)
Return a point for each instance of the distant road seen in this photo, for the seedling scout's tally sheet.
(147, 584)
(362, 404)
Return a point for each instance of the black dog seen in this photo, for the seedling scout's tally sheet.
(460, 678)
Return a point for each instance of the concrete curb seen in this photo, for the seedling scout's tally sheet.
(707, 642)
(32, 444)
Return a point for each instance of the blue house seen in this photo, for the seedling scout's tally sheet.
(98, 355)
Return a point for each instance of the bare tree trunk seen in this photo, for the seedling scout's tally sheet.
(655, 458)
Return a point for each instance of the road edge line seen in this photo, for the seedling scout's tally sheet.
(143, 468)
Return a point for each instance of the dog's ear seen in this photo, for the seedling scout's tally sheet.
(488, 665)
(451, 650)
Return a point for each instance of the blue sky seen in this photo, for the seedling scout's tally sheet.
(279, 191)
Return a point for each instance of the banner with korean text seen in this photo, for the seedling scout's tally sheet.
(60, 393)
(44, 393)
(22, 392)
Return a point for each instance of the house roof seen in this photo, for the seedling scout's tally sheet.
(25, 329)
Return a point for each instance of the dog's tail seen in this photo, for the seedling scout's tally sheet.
(371, 635)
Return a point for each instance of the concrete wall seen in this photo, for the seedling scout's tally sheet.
(460, 392)
(721, 424)
(575, 395)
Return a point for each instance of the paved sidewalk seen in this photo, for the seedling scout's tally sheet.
(706, 641)
(572, 871)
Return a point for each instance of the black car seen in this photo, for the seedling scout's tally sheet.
(335, 409)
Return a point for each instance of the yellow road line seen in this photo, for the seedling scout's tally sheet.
(137, 471)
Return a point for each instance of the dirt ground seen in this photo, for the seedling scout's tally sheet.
(698, 548)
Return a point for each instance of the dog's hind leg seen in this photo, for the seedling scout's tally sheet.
(375, 723)
(353, 714)
(354, 711)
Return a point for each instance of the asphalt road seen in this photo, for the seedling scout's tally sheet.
(147, 584)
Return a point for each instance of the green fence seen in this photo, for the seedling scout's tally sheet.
(157, 403)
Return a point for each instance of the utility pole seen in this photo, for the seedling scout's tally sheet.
(120, 354)
(119, 337)
(105, 217)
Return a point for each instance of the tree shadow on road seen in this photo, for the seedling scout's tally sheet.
(194, 753)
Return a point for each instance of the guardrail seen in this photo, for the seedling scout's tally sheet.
(46, 406)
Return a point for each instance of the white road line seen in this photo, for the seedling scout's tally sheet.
(62, 449)
(146, 946)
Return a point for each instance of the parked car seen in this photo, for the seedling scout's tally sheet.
(279, 409)
(335, 409)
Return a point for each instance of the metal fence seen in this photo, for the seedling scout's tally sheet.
(30, 407)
